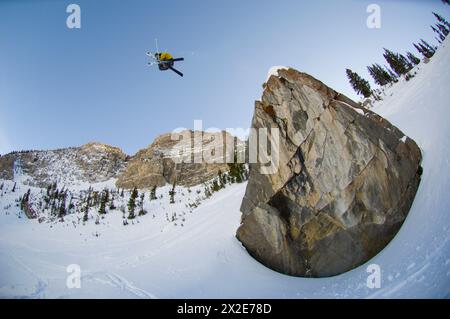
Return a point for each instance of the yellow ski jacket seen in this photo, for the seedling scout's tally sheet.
(165, 56)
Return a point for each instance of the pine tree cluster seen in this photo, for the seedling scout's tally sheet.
(441, 28)
(425, 49)
(399, 64)
(380, 75)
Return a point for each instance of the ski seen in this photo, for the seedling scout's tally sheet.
(176, 71)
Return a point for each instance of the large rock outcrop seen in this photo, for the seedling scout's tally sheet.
(159, 164)
(345, 183)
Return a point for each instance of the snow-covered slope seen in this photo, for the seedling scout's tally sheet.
(204, 259)
(274, 71)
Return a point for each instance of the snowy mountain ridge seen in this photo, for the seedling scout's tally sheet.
(92, 163)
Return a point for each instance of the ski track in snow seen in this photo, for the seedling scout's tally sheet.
(203, 259)
(123, 284)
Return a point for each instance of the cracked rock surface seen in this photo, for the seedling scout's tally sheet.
(345, 182)
(156, 164)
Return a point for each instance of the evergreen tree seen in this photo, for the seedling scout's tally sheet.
(141, 205)
(86, 209)
(207, 191)
(172, 194)
(215, 186)
(111, 205)
(62, 206)
(360, 85)
(103, 201)
(53, 208)
(412, 58)
(153, 193)
(392, 74)
(222, 179)
(443, 29)
(132, 203)
(409, 65)
(95, 199)
(49, 190)
(440, 35)
(380, 75)
(428, 46)
(422, 51)
(425, 49)
(397, 62)
(236, 170)
(71, 205)
(441, 19)
(14, 187)
(106, 195)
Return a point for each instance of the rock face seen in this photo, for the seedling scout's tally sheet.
(344, 186)
(92, 163)
(157, 164)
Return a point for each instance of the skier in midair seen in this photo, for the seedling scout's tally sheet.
(166, 61)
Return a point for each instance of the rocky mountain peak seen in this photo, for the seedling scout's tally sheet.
(165, 160)
(97, 146)
(92, 162)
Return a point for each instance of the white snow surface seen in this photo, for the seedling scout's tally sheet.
(274, 71)
(203, 259)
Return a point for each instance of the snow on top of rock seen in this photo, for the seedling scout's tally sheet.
(274, 71)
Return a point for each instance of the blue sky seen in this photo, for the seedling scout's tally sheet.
(64, 87)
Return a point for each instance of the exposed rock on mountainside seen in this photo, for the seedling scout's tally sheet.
(344, 186)
(156, 165)
(93, 162)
